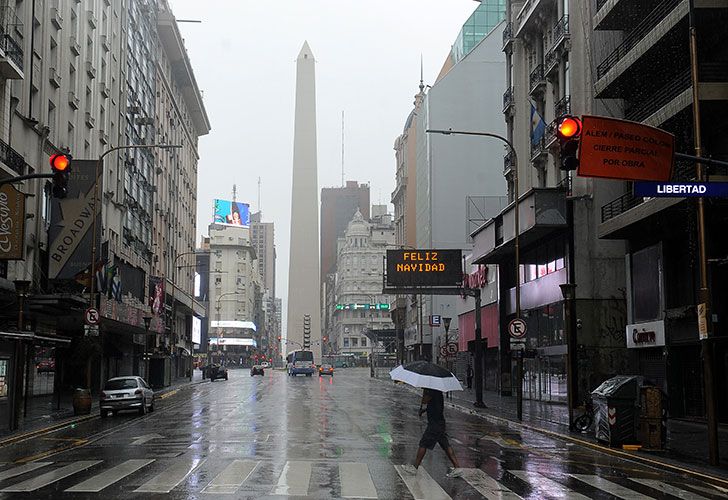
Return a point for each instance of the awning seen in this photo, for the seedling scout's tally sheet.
(35, 337)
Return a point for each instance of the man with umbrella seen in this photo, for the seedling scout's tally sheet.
(434, 380)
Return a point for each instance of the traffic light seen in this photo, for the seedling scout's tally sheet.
(61, 167)
(569, 135)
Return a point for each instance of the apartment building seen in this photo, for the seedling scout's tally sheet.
(646, 77)
(83, 78)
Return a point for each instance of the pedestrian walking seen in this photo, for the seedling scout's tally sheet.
(469, 376)
(434, 405)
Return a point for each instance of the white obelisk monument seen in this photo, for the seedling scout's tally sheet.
(303, 275)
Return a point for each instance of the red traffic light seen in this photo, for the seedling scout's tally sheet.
(60, 163)
(569, 127)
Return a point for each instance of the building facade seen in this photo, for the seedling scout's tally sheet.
(81, 79)
(235, 296)
(359, 305)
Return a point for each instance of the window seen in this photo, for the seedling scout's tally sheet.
(346, 342)
(4, 377)
(355, 342)
(364, 342)
(647, 283)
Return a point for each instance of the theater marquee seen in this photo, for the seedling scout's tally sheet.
(424, 268)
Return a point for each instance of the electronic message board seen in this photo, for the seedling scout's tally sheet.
(424, 268)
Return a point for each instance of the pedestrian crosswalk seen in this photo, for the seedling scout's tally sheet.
(326, 478)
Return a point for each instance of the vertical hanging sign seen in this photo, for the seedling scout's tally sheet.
(12, 222)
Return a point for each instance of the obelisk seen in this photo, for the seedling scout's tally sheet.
(303, 275)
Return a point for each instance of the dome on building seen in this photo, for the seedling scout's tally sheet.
(357, 226)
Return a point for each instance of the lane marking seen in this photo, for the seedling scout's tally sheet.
(615, 489)
(231, 478)
(109, 477)
(22, 469)
(174, 475)
(75, 444)
(147, 437)
(356, 481)
(540, 482)
(487, 486)
(52, 476)
(667, 488)
(421, 485)
(294, 479)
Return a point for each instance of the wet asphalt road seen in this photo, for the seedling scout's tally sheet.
(341, 437)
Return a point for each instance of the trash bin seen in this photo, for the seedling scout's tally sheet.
(616, 405)
(652, 425)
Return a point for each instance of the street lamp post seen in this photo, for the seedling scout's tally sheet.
(517, 258)
(99, 164)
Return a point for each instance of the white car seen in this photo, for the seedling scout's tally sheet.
(265, 364)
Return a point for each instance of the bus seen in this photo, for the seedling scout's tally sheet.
(300, 362)
(339, 360)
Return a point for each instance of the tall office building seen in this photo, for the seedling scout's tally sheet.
(303, 276)
(263, 239)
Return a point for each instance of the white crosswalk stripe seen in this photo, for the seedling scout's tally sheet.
(22, 469)
(487, 486)
(294, 479)
(669, 489)
(421, 485)
(546, 485)
(356, 481)
(110, 476)
(51, 477)
(231, 478)
(164, 482)
(607, 486)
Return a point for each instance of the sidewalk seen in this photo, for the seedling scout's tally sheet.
(43, 411)
(686, 440)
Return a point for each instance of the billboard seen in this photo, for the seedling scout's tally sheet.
(619, 149)
(424, 268)
(69, 235)
(232, 213)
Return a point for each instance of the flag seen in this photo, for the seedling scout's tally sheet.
(115, 287)
(84, 277)
(538, 126)
(101, 282)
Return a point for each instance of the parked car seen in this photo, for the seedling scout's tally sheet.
(46, 365)
(257, 370)
(215, 372)
(265, 364)
(126, 393)
(326, 370)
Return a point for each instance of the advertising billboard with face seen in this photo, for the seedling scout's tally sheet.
(232, 213)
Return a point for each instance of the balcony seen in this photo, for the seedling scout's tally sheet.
(539, 151)
(54, 78)
(537, 80)
(75, 46)
(508, 100)
(562, 107)
(73, 101)
(508, 162)
(550, 135)
(621, 15)
(561, 34)
(90, 70)
(11, 52)
(12, 159)
(507, 36)
(551, 63)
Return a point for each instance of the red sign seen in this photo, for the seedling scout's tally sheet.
(619, 149)
(477, 279)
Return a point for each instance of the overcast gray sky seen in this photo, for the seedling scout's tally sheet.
(368, 65)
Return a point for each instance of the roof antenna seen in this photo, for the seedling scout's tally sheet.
(235, 191)
(259, 207)
(422, 79)
(342, 148)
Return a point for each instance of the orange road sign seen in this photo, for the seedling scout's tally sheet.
(619, 149)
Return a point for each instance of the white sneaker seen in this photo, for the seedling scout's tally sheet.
(409, 469)
(453, 472)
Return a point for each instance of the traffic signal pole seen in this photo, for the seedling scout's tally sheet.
(704, 316)
(12, 180)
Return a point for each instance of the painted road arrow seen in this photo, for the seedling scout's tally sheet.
(146, 438)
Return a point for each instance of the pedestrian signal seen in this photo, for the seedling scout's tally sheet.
(61, 167)
(569, 135)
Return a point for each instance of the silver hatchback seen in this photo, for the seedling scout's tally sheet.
(126, 393)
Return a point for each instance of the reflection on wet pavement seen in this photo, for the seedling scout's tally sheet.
(340, 437)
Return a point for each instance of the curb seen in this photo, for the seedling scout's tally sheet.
(595, 446)
(703, 476)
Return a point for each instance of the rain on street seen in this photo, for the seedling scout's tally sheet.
(344, 436)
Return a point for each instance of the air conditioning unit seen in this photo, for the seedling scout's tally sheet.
(90, 70)
(75, 46)
(56, 19)
(54, 77)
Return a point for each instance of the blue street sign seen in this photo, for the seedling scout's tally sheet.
(681, 189)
